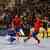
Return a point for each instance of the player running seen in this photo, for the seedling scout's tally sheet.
(35, 30)
(18, 26)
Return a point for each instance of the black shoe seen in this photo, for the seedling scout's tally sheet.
(25, 40)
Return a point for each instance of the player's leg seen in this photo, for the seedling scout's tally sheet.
(17, 33)
(29, 36)
(34, 35)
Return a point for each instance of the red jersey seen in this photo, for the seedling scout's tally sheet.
(37, 24)
(17, 21)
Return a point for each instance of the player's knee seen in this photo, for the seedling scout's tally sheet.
(17, 34)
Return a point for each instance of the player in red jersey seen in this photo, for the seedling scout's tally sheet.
(35, 29)
(17, 24)
(37, 25)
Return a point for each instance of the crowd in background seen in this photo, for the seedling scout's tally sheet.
(28, 11)
(27, 21)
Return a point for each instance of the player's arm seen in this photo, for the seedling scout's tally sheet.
(31, 30)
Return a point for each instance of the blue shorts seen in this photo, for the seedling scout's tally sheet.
(34, 34)
(17, 29)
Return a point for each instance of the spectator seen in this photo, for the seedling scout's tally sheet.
(7, 20)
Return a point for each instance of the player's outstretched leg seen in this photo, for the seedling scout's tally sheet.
(34, 35)
(29, 36)
(17, 36)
